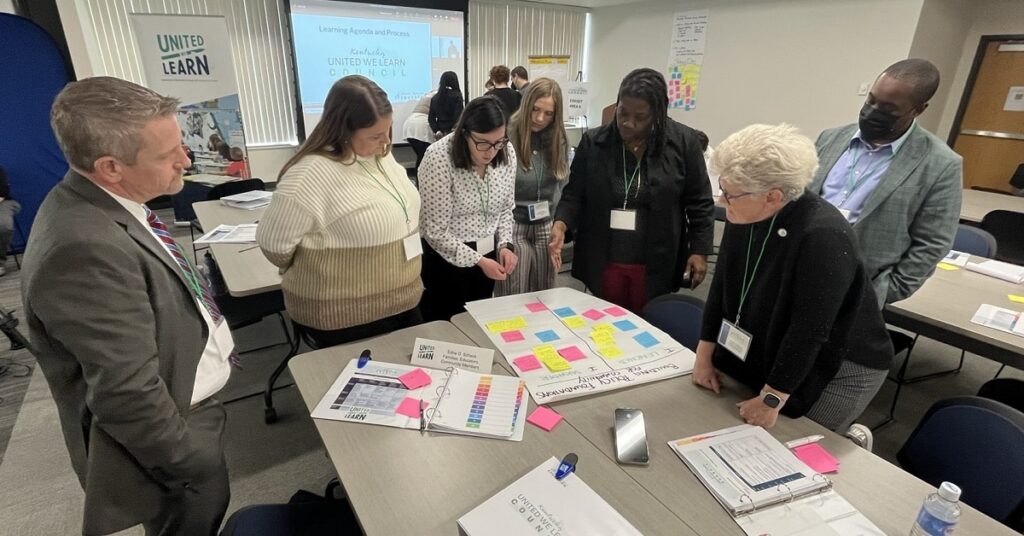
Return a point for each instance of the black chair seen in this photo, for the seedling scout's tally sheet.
(970, 240)
(1005, 226)
(217, 192)
(1009, 391)
(305, 514)
(419, 147)
(242, 311)
(976, 443)
(301, 336)
(678, 315)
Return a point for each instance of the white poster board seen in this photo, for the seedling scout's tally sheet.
(555, 67)
(686, 58)
(576, 97)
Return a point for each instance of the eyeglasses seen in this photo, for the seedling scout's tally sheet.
(730, 197)
(484, 146)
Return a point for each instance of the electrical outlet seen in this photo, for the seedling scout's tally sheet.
(862, 90)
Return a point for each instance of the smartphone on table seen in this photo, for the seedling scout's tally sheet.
(630, 437)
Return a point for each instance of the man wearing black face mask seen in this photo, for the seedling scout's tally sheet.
(896, 183)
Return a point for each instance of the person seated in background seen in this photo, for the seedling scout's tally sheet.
(445, 106)
(509, 97)
(8, 208)
(238, 167)
(705, 145)
(214, 144)
(538, 136)
(224, 152)
(791, 312)
(638, 201)
(343, 225)
(520, 79)
(467, 180)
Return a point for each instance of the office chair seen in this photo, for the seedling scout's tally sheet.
(1005, 226)
(306, 513)
(1009, 391)
(215, 193)
(678, 315)
(242, 311)
(975, 443)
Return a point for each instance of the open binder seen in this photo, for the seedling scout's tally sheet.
(457, 401)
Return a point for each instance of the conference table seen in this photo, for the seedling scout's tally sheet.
(245, 270)
(402, 482)
(977, 203)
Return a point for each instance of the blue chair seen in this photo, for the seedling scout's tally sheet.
(975, 241)
(976, 443)
(678, 315)
(306, 513)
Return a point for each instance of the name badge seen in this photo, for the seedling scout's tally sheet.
(846, 213)
(734, 339)
(222, 338)
(624, 220)
(538, 210)
(413, 246)
(485, 245)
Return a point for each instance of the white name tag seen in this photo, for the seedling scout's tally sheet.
(413, 246)
(734, 339)
(539, 210)
(485, 245)
(846, 213)
(222, 338)
(441, 355)
(624, 220)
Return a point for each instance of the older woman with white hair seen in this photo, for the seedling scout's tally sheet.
(791, 313)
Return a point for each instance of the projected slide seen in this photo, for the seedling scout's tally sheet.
(403, 50)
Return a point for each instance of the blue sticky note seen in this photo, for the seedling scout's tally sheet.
(645, 339)
(564, 312)
(547, 335)
(624, 325)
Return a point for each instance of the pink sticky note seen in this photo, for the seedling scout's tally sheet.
(526, 363)
(544, 417)
(536, 307)
(593, 314)
(415, 379)
(817, 458)
(512, 336)
(410, 407)
(572, 353)
(616, 311)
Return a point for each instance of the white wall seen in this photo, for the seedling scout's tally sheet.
(799, 61)
(939, 38)
(992, 17)
(6, 6)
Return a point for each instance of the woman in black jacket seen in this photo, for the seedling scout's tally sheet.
(638, 201)
(791, 313)
(446, 106)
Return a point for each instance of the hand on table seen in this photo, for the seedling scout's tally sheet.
(755, 411)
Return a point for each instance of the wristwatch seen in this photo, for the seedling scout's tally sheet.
(771, 400)
(508, 246)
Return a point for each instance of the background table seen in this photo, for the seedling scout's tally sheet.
(977, 203)
(246, 271)
(675, 408)
(402, 482)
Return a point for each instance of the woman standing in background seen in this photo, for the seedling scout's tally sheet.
(445, 106)
(538, 136)
(343, 226)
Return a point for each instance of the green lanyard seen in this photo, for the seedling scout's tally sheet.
(485, 203)
(540, 173)
(636, 174)
(745, 288)
(393, 191)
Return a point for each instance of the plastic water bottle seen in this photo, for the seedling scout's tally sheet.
(939, 513)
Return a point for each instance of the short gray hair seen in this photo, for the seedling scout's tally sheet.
(761, 158)
(103, 116)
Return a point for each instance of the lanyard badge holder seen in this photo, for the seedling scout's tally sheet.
(625, 220)
(730, 335)
(540, 209)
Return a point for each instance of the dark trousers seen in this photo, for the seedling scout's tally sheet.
(198, 508)
(625, 285)
(447, 287)
(335, 337)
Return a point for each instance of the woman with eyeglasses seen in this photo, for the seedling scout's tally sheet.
(538, 136)
(638, 201)
(467, 183)
(791, 313)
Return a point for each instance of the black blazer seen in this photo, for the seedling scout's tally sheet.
(681, 212)
(444, 111)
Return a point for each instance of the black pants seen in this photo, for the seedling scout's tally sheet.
(447, 287)
(335, 337)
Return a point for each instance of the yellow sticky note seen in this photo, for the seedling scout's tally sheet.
(500, 326)
(1015, 298)
(549, 356)
(603, 338)
(603, 327)
(610, 351)
(575, 322)
(946, 266)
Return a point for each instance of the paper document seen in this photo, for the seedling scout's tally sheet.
(998, 269)
(542, 505)
(248, 200)
(230, 234)
(955, 258)
(821, 514)
(999, 318)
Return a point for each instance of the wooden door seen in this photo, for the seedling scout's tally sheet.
(991, 132)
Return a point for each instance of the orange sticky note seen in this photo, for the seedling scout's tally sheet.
(544, 418)
(415, 379)
(817, 458)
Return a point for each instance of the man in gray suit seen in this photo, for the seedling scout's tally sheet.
(119, 321)
(897, 184)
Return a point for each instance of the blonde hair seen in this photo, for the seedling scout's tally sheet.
(104, 116)
(556, 157)
(761, 158)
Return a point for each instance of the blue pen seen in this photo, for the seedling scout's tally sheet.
(567, 466)
(364, 358)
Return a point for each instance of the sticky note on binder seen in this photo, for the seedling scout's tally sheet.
(415, 379)
(817, 458)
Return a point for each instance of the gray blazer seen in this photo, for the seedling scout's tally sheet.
(908, 223)
(118, 335)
